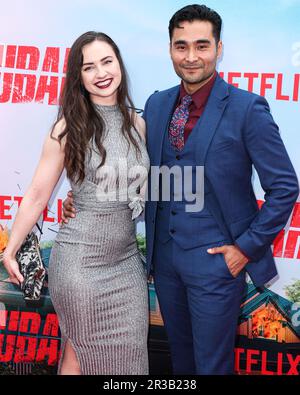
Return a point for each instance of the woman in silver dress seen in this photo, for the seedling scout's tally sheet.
(97, 282)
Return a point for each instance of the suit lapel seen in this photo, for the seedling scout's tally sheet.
(165, 112)
(210, 119)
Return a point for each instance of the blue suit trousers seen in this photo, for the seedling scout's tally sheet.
(200, 304)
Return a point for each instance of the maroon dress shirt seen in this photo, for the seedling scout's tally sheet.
(200, 98)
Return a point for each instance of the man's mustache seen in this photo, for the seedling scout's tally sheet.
(194, 67)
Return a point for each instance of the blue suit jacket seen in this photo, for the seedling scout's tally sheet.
(236, 132)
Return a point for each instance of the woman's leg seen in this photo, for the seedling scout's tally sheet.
(70, 364)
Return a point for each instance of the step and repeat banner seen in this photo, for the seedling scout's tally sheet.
(261, 54)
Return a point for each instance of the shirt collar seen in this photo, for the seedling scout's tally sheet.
(201, 96)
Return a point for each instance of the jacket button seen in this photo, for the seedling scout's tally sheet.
(173, 231)
(178, 157)
(173, 212)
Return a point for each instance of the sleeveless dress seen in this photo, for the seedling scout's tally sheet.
(97, 282)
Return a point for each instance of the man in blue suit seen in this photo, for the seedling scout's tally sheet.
(199, 259)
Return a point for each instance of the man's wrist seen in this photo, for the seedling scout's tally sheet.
(242, 252)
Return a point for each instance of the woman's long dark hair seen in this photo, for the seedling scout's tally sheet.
(82, 121)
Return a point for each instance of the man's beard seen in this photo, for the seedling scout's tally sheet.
(194, 80)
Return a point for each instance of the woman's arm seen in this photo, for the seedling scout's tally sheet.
(46, 176)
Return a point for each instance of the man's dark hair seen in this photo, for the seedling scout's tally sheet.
(196, 12)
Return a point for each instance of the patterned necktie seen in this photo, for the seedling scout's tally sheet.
(178, 122)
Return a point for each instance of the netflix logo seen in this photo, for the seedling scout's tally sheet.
(251, 361)
(283, 87)
(7, 202)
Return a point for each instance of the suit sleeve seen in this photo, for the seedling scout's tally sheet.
(145, 112)
(277, 177)
(146, 115)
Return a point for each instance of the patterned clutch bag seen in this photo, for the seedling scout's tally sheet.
(31, 267)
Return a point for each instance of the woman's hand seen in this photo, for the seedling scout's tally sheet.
(68, 208)
(12, 268)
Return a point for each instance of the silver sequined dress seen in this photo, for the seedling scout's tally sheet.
(97, 281)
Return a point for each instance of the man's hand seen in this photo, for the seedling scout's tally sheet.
(234, 258)
(68, 208)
